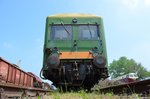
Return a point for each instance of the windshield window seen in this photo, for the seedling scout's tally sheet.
(131, 75)
(88, 32)
(61, 32)
(135, 75)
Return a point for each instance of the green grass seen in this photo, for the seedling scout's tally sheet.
(83, 95)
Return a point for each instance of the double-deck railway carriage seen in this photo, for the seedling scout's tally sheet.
(74, 50)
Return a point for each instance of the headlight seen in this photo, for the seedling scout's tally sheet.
(99, 61)
(53, 61)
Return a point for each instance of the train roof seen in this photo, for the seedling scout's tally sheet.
(73, 15)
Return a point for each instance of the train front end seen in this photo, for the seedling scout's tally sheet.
(74, 50)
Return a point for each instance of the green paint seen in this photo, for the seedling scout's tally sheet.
(67, 45)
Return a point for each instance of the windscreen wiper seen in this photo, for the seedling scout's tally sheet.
(90, 30)
(65, 28)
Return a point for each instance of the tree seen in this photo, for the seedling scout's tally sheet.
(124, 66)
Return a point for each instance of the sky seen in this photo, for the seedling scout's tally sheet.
(22, 28)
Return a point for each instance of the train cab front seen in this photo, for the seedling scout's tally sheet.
(74, 50)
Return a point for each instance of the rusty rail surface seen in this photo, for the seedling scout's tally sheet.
(139, 87)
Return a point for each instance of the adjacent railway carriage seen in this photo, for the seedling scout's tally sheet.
(74, 50)
(15, 83)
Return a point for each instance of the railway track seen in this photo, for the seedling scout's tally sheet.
(8, 91)
(139, 87)
(18, 84)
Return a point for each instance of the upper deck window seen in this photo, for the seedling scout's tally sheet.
(88, 32)
(60, 32)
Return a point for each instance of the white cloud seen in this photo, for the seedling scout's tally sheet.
(147, 3)
(141, 53)
(131, 4)
(135, 4)
(143, 48)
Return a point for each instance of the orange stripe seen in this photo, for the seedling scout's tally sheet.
(75, 55)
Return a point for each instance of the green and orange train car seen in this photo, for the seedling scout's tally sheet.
(74, 50)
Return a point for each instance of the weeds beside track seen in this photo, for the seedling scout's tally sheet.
(84, 95)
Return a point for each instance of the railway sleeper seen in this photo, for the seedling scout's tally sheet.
(17, 93)
(11, 95)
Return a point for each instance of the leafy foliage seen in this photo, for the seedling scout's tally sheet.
(124, 66)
